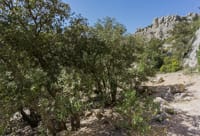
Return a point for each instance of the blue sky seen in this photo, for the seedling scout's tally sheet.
(132, 13)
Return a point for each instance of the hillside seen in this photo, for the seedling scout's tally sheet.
(161, 27)
(60, 76)
(183, 45)
(180, 36)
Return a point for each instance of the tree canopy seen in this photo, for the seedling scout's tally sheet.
(52, 62)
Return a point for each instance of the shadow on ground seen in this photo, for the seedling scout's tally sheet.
(182, 124)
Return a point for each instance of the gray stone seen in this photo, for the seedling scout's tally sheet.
(160, 117)
(88, 113)
(63, 133)
(191, 60)
(17, 116)
(160, 100)
(161, 26)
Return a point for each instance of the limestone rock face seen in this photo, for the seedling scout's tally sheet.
(160, 29)
(161, 26)
(191, 60)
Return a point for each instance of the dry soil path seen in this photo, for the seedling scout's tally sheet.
(187, 120)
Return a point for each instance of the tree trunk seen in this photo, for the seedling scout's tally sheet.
(33, 119)
(99, 90)
(54, 126)
(75, 122)
(113, 87)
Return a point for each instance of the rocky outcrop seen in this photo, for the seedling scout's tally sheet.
(191, 60)
(161, 26)
(18, 127)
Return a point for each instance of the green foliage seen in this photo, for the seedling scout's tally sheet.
(153, 53)
(137, 112)
(198, 58)
(119, 55)
(68, 100)
(181, 40)
(54, 62)
(30, 40)
(1, 129)
(170, 65)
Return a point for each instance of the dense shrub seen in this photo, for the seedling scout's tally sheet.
(171, 64)
(137, 112)
(53, 62)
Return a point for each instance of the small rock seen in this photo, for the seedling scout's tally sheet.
(88, 113)
(160, 117)
(169, 110)
(179, 88)
(160, 80)
(182, 97)
(63, 133)
(187, 99)
(108, 113)
(105, 121)
(104, 133)
(17, 116)
(160, 100)
(99, 113)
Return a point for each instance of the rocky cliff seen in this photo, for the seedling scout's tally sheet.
(191, 59)
(161, 26)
